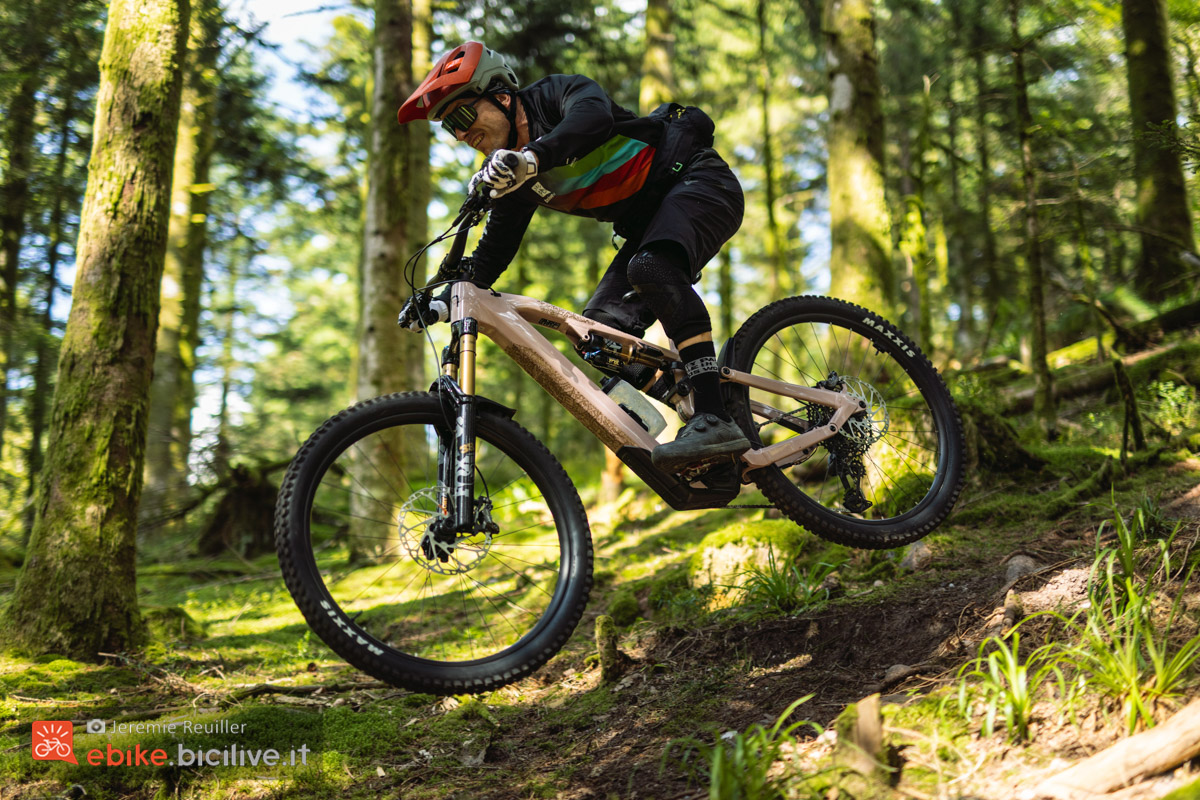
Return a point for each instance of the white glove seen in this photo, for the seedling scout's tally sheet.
(499, 177)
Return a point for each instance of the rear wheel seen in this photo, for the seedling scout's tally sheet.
(353, 534)
(893, 473)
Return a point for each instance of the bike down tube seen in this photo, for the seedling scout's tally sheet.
(504, 318)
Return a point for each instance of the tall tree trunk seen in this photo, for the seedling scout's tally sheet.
(776, 256)
(1191, 78)
(1083, 254)
(14, 202)
(227, 303)
(1162, 205)
(991, 297)
(658, 79)
(861, 255)
(914, 242)
(725, 290)
(657, 87)
(173, 392)
(43, 351)
(389, 357)
(1043, 404)
(960, 268)
(77, 593)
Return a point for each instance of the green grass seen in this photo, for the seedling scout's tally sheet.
(739, 765)
(1132, 655)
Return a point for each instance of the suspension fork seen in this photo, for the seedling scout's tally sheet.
(456, 455)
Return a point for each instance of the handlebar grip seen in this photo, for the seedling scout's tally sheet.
(511, 160)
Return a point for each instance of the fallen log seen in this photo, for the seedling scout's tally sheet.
(1085, 381)
(1125, 763)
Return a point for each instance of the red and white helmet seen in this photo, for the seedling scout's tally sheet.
(466, 70)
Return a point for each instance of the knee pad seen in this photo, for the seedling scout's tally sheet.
(659, 276)
(631, 317)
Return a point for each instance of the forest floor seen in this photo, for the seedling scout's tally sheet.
(241, 671)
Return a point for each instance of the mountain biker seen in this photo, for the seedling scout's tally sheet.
(657, 178)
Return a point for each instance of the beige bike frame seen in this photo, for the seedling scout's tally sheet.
(511, 321)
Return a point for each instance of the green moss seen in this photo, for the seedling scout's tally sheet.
(623, 607)
(1189, 792)
(54, 677)
(172, 623)
(783, 536)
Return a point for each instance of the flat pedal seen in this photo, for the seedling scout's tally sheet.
(708, 469)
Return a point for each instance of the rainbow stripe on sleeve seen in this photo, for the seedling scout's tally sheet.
(614, 171)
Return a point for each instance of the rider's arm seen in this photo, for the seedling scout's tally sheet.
(581, 115)
(501, 238)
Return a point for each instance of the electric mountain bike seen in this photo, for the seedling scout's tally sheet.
(434, 543)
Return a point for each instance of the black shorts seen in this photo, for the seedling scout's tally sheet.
(701, 212)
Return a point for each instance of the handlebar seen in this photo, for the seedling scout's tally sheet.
(469, 215)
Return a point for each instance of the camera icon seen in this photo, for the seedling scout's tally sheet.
(95, 726)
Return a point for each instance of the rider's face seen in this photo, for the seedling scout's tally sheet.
(490, 130)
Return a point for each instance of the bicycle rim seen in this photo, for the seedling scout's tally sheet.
(893, 470)
(366, 523)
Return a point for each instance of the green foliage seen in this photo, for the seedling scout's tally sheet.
(1129, 643)
(1007, 684)
(1173, 407)
(739, 765)
(1127, 646)
(784, 589)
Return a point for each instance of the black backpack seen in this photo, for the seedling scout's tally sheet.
(686, 130)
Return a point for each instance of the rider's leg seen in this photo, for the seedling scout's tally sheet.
(614, 303)
(660, 274)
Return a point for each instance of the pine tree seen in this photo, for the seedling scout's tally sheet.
(861, 258)
(76, 593)
(391, 358)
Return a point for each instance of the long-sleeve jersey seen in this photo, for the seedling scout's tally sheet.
(594, 157)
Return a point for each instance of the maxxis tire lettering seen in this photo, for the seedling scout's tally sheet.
(374, 657)
(806, 512)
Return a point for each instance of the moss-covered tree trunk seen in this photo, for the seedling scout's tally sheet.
(1163, 215)
(657, 87)
(861, 256)
(77, 593)
(658, 79)
(173, 392)
(1043, 404)
(390, 358)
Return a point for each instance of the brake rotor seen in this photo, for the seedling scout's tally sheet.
(415, 525)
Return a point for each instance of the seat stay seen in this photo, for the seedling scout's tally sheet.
(844, 407)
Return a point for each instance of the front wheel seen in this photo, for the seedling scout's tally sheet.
(893, 472)
(354, 538)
